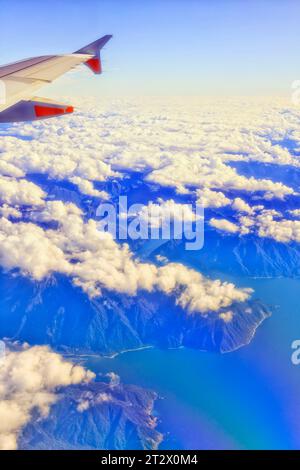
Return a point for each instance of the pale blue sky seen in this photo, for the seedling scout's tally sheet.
(164, 47)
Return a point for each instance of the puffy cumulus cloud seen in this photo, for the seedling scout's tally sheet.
(213, 199)
(114, 268)
(94, 260)
(241, 206)
(163, 211)
(280, 230)
(213, 173)
(9, 211)
(54, 151)
(20, 192)
(87, 187)
(7, 169)
(25, 246)
(30, 379)
(225, 225)
(256, 143)
(56, 211)
(226, 316)
(242, 225)
(265, 224)
(199, 294)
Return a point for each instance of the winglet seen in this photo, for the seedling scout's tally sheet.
(94, 49)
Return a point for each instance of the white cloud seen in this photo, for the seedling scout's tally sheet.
(200, 294)
(29, 379)
(20, 192)
(54, 151)
(225, 225)
(8, 169)
(213, 199)
(266, 224)
(160, 213)
(241, 206)
(280, 230)
(213, 173)
(9, 211)
(87, 187)
(25, 246)
(226, 316)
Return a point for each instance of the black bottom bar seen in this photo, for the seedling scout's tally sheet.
(134, 459)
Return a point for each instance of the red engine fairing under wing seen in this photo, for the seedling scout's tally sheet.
(33, 110)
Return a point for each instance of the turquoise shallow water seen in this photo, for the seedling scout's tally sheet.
(248, 399)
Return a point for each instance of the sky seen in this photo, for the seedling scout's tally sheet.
(166, 47)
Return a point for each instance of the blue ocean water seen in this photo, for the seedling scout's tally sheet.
(247, 399)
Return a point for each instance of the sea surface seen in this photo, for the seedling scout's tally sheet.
(247, 399)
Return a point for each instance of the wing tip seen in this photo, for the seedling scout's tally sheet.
(93, 49)
(96, 46)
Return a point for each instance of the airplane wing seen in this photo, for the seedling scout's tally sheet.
(20, 80)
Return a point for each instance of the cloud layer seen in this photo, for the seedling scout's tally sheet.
(189, 147)
(95, 260)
